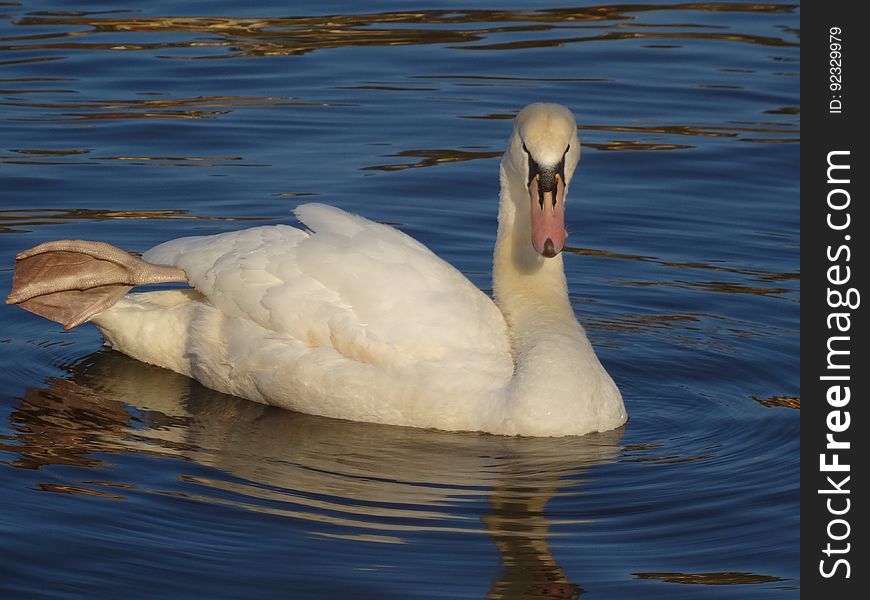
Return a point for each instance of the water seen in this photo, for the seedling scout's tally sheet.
(138, 123)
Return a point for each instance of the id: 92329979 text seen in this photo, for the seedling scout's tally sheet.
(835, 70)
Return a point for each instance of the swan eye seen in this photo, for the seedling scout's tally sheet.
(533, 166)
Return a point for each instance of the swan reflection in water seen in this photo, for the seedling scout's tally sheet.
(347, 480)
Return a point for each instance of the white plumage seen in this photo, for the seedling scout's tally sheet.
(356, 320)
(367, 290)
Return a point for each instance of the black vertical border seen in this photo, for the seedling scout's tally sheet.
(825, 131)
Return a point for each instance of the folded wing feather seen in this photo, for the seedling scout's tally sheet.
(366, 289)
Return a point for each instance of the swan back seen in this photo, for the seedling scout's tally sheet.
(363, 289)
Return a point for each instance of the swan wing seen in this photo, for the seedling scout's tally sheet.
(367, 290)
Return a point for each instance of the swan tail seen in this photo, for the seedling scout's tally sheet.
(70, 281)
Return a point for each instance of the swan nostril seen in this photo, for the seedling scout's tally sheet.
(549, 249)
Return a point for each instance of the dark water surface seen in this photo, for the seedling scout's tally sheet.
(136, 123)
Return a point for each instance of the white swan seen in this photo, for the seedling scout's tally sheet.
(356, 320)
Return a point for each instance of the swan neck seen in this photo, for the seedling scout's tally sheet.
(530, 289)
(559, 386)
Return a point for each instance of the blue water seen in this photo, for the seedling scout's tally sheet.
(137, 123)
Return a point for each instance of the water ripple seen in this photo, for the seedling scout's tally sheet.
(363, 477)
(300, 35)
(142, 124)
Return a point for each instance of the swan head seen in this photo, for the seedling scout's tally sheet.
(543, 152)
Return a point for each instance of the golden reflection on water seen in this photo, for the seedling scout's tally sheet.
(160, 161)
(375, 483)
(299, 35)
(431, 158)
(781, 401)
(617, 36)
(209, 107)
(74, 489)
(62, 426)
(690, 130)
(721, 287)
(634, 145)
(16, 220)
(215, 37)
(713, 286)
(197, 107)
(635, 323)
(645, 453)
(745, 132)
(434, 157)
(722, 578)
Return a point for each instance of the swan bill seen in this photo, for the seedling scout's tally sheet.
(547, 203)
